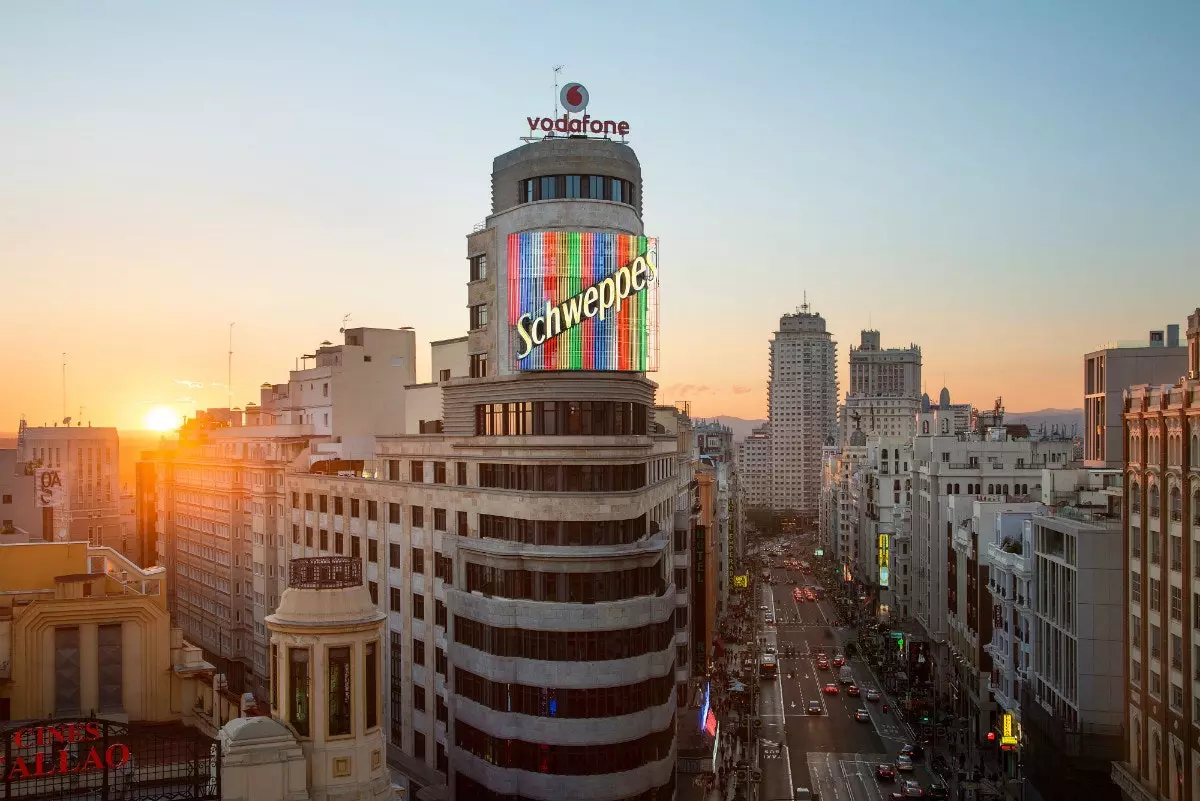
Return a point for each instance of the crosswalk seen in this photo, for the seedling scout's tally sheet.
(847, 777)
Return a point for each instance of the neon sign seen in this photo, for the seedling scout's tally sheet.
(884, 560)
(583, 301)
(60, 759)
(706, 706)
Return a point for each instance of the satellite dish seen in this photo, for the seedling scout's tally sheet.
(66, 421)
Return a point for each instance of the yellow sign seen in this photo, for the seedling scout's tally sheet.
(1006, 730)
(883, 550)
(741, 582)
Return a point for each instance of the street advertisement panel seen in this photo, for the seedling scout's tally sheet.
(583, 301)
(884, 560)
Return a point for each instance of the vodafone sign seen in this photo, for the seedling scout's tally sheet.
(574, 99)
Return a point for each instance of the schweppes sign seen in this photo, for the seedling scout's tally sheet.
(584, 301)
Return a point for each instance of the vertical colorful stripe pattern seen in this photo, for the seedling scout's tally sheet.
(552, 266)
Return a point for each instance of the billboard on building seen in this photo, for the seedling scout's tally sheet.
(583, 301)
(48, 483)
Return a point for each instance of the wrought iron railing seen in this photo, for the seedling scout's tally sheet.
(325, 572)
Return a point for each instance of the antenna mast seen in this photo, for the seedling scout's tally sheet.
(557, 70)
(229, 368)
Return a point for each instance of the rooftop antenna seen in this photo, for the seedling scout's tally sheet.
(345, 319)
(557, 70)
(229, 369)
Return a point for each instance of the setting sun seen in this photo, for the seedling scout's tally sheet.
(161, 418)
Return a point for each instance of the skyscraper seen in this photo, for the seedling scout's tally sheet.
(802, 396)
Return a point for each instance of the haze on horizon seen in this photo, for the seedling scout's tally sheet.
(1007, 187)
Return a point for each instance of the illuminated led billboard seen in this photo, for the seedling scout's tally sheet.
(583, 301)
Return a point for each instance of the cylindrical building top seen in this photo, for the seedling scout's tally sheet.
(325, 591)
(574, 168)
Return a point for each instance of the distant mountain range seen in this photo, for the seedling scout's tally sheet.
(1068, 421)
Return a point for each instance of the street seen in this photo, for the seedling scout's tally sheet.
(831, 753)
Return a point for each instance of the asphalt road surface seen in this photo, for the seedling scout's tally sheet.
(831, 753)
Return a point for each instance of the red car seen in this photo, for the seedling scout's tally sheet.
(839, 660)
(830, 689)
(885, 773)
(822, 664)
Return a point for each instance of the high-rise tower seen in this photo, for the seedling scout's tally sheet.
(802, 395)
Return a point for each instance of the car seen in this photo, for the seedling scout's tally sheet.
(770, 649)
(764, 608)
(814, 708)
(885, 773)
(830, 689)
(912, 789)
(872, 695)
(853, 691)
(914, 751)
(937, 790)
(822, 664)
(839, 660)
(904, 762)
(862, 716)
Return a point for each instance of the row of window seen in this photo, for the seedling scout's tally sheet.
(566, 760)
(469, 788)
(565, 646)
(1176, 502)
(557, 702)
(560, 418)
(564, 477)
(575, 187)
(575, 588)
(338, 683)
(563, 532)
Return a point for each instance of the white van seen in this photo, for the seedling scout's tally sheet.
(846, 676)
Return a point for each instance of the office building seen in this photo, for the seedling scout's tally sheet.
(802, 397)
(1161, 443)
(754, 468)
(75, 468)
(884, 392)
(1108, 372)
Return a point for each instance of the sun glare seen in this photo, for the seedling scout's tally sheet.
(162, 418)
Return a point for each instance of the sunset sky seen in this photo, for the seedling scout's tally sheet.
(1007, 186)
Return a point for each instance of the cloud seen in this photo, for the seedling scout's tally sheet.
(183, 382)
(685, 391)
(738, 389)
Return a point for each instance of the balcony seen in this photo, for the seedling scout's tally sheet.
(1125, 777)
(1017, 563)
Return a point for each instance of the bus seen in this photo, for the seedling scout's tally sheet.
(768, 666)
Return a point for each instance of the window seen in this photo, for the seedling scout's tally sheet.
(1135, 587)
(372, 550)
(338, 505)
(1176, 603)
(308, 502)
(394, 513)
(371, 685)
(66, 671)
(416, 472)
(479, 317)
(373, 588)
(7, 499)
(1135, 673)
(109, 659)
(418, 606)
(1154, 500)
(355, 546)
(396, 656)
(478, 365)
(439, 661)
(1155, 590)
(418, 560)
(394, 598)
(573, 186)
(394, 554)
(478, 267)
(323, 506)
(418, 659)
(340, 698)
(444, 375)
(354, 511)
(1176, 698)
(298, 659)
(1155, 641)
(439, 614)
(460, 473)
(372, 510)
(461, 528)
(1154, 539)
(439, 472)
(418, 517)
(549, 187)
(559, 418)
(418, 737)
(439, 519)
(1176, 652)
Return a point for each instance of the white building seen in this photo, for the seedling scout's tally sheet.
(754, 468)
(884, 510)
(949, 466)
(884, 415)
(802, 393)
(883, 397)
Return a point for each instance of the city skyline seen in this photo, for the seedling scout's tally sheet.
(942, 196)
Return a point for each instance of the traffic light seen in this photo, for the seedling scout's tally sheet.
(924, 717)
(900, 643)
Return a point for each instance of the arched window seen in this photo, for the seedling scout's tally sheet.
(1176, 504)
(1135, 498)
(1195, 454)
(991, 489)
(1154, 500)
(1196, 507)
(925, 427)
(955, 489)
(949, 489)
(1005, 489)
(885, 451)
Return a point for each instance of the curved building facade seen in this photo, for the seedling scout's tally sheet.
(562, 614)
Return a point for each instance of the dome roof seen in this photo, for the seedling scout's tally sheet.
(325, 607)
(924, 401)
(259, 727)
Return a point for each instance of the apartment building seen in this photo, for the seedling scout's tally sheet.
(76, 472)
(20, 516)
(946, 466)
(880, 508)
(1162, 550)
(754, 463)
(802, 397)
(1110, 370)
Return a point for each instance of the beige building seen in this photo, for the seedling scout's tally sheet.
(76, 467)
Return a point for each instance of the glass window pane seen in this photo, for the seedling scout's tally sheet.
(339, 691)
